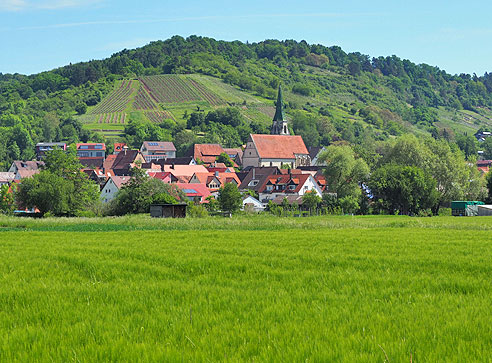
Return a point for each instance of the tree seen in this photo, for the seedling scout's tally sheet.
(230, 198)
(141, 191)
(488, 179)
(224, 158)
(403, 189)
(467, 144)
(7, 201)
(311, 200)
(487, 148)
(343, 172)
(61, 188)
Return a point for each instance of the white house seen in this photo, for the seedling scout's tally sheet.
(251, 203)
(112, 187)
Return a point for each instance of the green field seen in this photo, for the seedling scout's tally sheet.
(321, 289)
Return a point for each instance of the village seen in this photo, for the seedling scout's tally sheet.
(274, 167)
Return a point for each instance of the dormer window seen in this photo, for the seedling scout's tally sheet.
(253, 183)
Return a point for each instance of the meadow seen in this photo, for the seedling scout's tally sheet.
(341, 288)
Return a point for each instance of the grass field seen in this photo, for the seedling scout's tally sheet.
(352, 289)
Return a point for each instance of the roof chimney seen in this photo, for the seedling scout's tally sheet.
(254, 173)
(217, 174)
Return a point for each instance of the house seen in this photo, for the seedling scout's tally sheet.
(314, 153)
(482, 135)
(275, 150)
(25, 173)
(161, 175)
(6, 178)
(26, 165)
(250, 203)
(287, 184)
(119, 146)
(484, 166)
(197, 193)
(91, 150)
(113, 186)
(94, 163)
(207, 153)
(183, 173)
(126, 160)
(257, 177)
(109, 161)
(43, 147)
(215, 180)
(236, 154)
(155, 150)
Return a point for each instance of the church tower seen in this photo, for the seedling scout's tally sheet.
(279, 126)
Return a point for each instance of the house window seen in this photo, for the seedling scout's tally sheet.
(292, 187)
(269, 188)
(253, 183)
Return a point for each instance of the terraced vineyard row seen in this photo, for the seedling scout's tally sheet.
(159, 116)
(267, 110)
(143, 101)
(176, 89)
(112, 118)
(213, 99)
(117, 100)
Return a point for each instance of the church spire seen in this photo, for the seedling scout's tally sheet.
(279, 112)
(279, 126)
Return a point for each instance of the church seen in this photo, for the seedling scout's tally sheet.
(279, 148)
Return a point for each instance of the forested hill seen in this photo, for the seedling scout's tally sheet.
(331, 95)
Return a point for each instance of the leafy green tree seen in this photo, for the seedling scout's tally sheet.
(7, 201)
(343, 172)
(224, 158)
(488, 179)
(213, 204)
(311, 200)
(61, 188)
(403, 189)
(467, 144)
(230, 198)
(140, 192)
(486, 146)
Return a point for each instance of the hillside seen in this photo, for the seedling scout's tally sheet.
(168, 97)
(154, 90)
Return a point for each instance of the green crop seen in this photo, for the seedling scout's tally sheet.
(256, 288)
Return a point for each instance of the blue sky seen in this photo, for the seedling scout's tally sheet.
(38, 35)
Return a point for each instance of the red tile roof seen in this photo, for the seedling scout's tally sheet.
(118, 146)
(279, 146)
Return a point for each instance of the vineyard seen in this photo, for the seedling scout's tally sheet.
(176, 89)
(267, 110)
(143, 101)
(159, 116)
(111, 118)
(117, 100)
(165, 97)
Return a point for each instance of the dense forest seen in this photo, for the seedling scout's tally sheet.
(335, 96)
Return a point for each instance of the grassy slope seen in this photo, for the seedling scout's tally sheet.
(230, 94)
(347, 289)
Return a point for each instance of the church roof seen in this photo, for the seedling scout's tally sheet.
(279, 111)
(279, 146)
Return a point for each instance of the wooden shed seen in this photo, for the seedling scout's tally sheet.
(168, 210)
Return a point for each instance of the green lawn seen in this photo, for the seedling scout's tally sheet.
(246, 289)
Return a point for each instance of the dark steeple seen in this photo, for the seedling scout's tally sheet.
(279, 126)
(279, 112)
